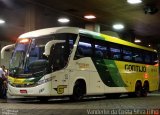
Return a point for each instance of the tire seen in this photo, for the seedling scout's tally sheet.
(145, 90)
(79, 91)
(138, 90)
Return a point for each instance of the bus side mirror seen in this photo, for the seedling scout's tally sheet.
(6, 48)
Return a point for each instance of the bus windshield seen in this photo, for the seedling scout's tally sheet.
(28, 56)
(18, 56)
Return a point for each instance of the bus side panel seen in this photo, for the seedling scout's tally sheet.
(60, 83)
(109, 75)
(153, 77)
(79, 69)
(134, 72)
(84, 68)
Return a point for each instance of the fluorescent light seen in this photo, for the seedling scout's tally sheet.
(137, 41)
(89, 17)
(63, 20)
(149, 45)
(118, 26)
(134, 1)
(2, 21)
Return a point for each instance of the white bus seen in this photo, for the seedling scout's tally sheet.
(69, 61)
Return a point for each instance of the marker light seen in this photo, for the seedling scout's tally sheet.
(134, 1)
(145, 75)
(156, 65)
(118, 26)
(24, 40)
(2, 21)
(63, 20)
(89, 17)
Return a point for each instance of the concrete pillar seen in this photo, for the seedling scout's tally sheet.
(30, 18)
(93, 27)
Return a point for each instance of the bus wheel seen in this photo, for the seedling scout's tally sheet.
(138, 89)
(79, 91)
(145, 89)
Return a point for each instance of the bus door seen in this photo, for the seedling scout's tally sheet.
(58, 61)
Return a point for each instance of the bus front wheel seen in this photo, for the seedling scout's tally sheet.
(79, 91)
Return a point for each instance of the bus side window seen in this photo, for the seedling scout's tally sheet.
(127, 54)
(147, 58)
(84, 48)
(154, 58)
(138, 56)
(115, 52)
(101, 50)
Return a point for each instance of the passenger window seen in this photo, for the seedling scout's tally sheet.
(115, 52)
(127, 54)
(147, 58)
(84, 48)
(138, 56)
(101, 50)
(154, 58)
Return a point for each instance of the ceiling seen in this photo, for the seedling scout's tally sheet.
(138, 22)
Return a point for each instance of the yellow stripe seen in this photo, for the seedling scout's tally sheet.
(16, 80)
(126, 43)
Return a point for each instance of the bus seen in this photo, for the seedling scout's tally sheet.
(74, 62)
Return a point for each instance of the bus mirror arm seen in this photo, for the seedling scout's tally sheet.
(49, 45)
(6, 48)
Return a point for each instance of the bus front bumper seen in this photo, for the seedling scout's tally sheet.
(39, 90)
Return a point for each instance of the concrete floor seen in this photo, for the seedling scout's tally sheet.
(93, 105)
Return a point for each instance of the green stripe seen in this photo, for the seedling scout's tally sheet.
(108, 72)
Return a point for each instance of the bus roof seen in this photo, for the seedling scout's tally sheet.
(48, 31)
(75, 30)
